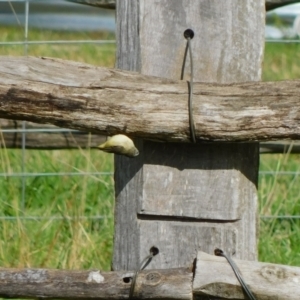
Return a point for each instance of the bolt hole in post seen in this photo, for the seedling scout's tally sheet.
(188, 33)
(154, 250)
(127, 279)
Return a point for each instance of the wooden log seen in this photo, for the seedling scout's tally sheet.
(272, 4)
(214, 277)
(108, 101)
(280, 147)
(111, 4)
(94, 284)
(186, 197)
(45, 136)
(40, 137)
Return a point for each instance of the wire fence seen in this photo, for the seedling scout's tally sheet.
(24, 131)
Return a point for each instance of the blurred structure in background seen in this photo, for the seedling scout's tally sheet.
(283, 22)
(58, 15)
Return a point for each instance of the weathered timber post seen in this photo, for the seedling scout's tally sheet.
(186, 197)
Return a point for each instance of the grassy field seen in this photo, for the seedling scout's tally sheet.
(87, 243)
(102, 55)
(281, 61)
(279, 195)
(57, 243)
(69, 241)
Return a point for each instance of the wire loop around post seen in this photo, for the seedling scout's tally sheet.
(189, 34)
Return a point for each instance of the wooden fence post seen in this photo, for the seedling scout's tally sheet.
(183, 198)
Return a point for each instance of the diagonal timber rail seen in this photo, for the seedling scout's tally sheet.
(109, 101)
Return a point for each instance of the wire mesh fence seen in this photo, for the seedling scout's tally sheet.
(279, 177)
(22, 21)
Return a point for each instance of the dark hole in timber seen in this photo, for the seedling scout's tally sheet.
(188, 34)
(127, 279)
(154, 250)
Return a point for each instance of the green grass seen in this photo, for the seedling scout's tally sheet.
(65, 243)
(279, 196)
(96, 54)
(279, 239)
(87, 243)
(69, 242)
(281, 61)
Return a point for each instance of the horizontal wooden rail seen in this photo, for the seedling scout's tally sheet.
(109, 101)
(111, 4)
(50, 137)
(45, 136)
(94, 284)
(213, 277)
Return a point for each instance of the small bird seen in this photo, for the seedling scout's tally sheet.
(120, 144)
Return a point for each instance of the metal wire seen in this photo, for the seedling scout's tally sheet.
(283, 41)
(26, 28)
(190, 83)
(35, 130)
(39, 218)
(25, 43)
(76, 42)
(14, 12)
(153, 251)
(246, 289)
(284, 173)
(23, 175)
(24, 123)
(146, 259)
(20, 0)
(36, 174)
(280, 217)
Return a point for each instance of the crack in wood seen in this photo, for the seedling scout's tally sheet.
(149, 217)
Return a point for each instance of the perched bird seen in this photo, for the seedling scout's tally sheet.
(120, 144)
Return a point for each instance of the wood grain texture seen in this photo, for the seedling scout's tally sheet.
(174, 182)
(190, 197)
(94, 284)
(111, 4)
(79, 139)
(104, 101)
(215, 26)
(215, 278)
